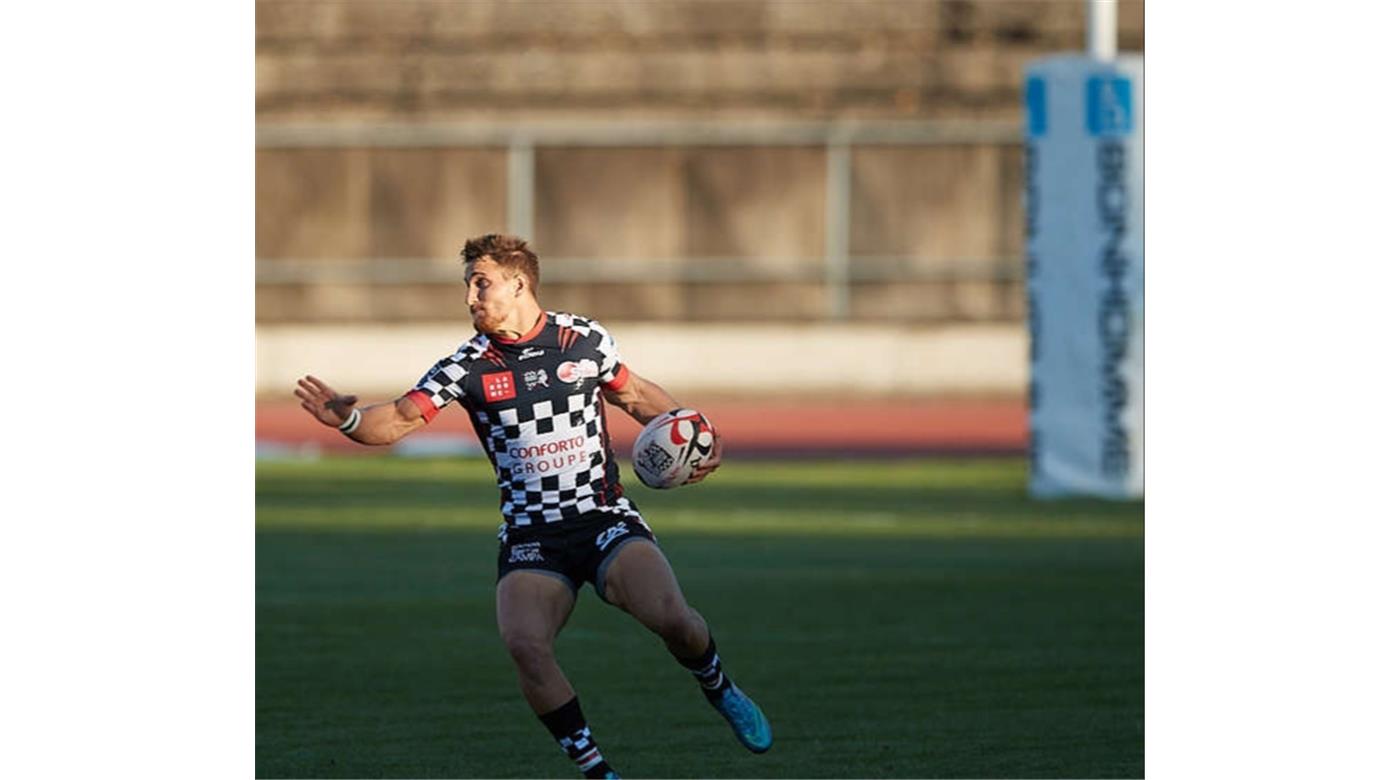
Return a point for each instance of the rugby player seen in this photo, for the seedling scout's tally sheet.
(533, 383)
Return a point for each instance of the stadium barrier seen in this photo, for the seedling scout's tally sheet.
(736, 360)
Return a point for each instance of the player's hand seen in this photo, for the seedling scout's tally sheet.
(711, 463)
(323, 403)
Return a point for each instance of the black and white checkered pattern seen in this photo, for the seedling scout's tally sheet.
(548, 446)
(529, 498)
(605, 347)
(443, 382)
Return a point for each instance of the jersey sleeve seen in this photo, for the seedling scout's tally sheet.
(443, 384)
(612, 373)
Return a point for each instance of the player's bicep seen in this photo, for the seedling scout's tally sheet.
(623, 390)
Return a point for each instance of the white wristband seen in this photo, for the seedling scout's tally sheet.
(351, 423)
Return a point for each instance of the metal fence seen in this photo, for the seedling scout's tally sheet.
(520, 142)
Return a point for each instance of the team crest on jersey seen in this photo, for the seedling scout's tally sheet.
(570, 372)
(499, 386)
(536, 378)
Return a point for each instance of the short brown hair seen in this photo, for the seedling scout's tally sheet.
(508, 252)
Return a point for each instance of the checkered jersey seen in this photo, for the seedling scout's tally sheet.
(536, 405)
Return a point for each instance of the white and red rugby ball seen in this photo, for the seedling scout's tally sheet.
(671, 447)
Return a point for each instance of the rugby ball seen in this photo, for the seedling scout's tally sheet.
(671, 447)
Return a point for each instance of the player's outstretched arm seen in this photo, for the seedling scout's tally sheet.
(644, 400)
(383, 423)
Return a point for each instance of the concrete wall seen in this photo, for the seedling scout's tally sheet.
(940, 210)
(382, 59)
(405, 61)
(758, 360)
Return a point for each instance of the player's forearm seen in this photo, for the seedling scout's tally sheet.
(386, 423)
(644, 400)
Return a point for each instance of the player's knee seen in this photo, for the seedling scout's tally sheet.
(529, 651)
(676, 620)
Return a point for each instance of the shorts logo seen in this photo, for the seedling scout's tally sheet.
(499, 386)
(656, 459)
(528, 552)
(605, 538)
(577, 372)
(537, 378)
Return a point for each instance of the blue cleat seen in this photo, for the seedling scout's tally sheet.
(747, 720)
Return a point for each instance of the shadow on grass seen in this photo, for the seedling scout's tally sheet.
(995, 494)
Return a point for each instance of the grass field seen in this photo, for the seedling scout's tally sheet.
(895, 619)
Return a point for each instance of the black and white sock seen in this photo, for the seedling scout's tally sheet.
(708, 672)
(571, 731)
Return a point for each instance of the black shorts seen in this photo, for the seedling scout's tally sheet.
(575, 552)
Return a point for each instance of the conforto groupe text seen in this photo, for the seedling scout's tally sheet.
(548, 457)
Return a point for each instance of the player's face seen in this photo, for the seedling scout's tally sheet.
(491, 294)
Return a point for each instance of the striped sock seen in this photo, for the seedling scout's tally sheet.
(572, 732)
(708, 672)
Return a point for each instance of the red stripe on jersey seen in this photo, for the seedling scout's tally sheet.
(424, 404)
(619, 379)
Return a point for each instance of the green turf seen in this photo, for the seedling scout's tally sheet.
(895, 619)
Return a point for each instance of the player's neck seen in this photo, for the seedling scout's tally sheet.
(519, 323)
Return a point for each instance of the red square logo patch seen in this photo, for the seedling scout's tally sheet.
(499, 386)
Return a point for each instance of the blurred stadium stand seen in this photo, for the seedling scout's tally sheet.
(682, 154)
(782, 164)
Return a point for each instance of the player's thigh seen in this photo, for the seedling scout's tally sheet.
(531, 606)
(641, 582)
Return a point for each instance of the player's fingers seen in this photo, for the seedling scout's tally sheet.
(701, 472)
(310, 389)
(322, 386)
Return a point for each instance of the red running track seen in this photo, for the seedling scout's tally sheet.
(759, 427)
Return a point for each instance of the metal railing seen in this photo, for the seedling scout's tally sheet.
(838, 269)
